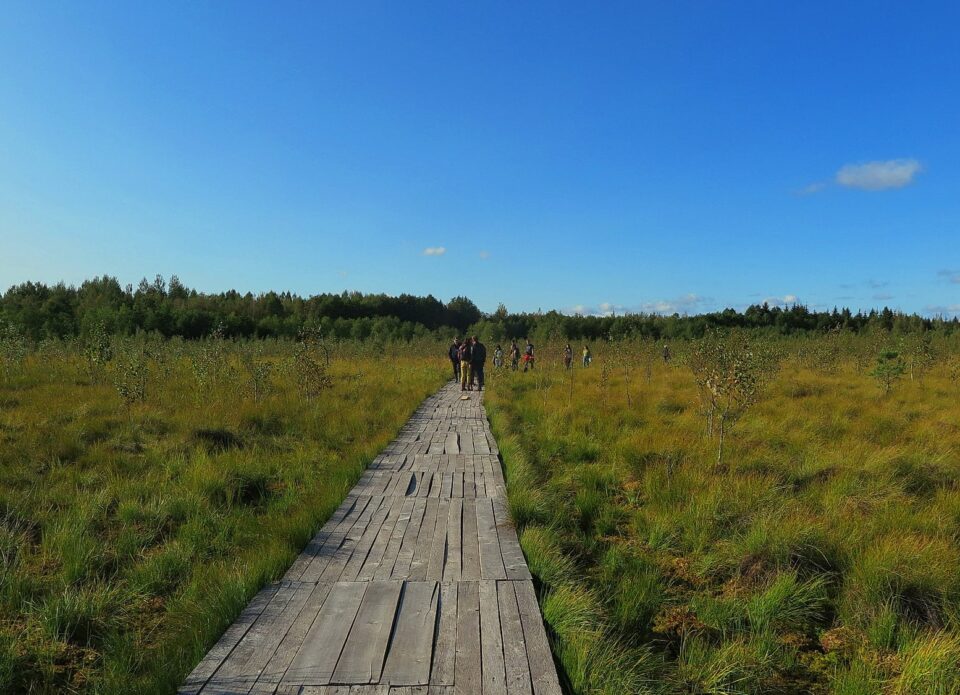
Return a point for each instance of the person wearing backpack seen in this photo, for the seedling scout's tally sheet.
(465, 354)
(478, 356)
(528, 358)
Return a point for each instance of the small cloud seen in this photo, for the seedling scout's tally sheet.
(679, 305)
(878, 176)
(484, 255)
(434, 251)
(882, 297)
(877, 284)
(944, 310)
(812, 188)
(785, 300)
(950, 276)
(342, 273)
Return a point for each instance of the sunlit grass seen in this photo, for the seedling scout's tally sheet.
(822, 556)
(130, 536)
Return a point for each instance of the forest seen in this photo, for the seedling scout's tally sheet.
(38, 311)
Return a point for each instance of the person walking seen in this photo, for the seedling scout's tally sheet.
(498, 356)
(454, 353)
(666, 354)
(528, 357)
(514, 355)
(478, 356)
(465, 354)
(567, 356)
(587, 357)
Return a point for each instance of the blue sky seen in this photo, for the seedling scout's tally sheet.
(639, 156)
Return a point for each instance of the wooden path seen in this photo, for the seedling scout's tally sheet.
(415, 586)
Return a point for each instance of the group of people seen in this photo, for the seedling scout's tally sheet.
(468, 357)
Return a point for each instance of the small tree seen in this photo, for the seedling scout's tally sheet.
(731, 371)
(97, 349)
(13, 348)
(258, 371)
(311, 360)
(888, 369)
(130, 372)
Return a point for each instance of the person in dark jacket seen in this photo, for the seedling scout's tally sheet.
(466, 382)
(477, 358)
(454, 354)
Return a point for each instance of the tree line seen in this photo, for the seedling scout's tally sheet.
(169, 308)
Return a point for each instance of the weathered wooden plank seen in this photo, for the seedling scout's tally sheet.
(543, 674)
(445, 642)
(401, 567)
(366, 647)
(517, 669)
(281, 659)
(458, 484)
(451, 443)
(452, 569)
(317, 657)
(408, 660)
(421, 552)
(491, 561)
(351, 540)
(468, 678)
(362, 551)
(322, 557)
(396, 538)
(470, 542)
(491, 642)
(513, 560)
(316, 543)
(438, 545)
(374, 556)
(230, 638)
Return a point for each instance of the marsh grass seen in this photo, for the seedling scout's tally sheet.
(822, 556)
(144, 499)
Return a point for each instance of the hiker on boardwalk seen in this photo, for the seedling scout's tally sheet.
(587, 357)
(454, 353)
(498, 356)
(528, 357)
(465, 354)
(567, 356)
(478, 355)
(514, 355)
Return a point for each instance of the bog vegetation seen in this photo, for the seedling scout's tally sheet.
(148, 488)
(771, 505)
(753, 515)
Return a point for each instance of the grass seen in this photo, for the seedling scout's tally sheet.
(822, 556)
(132, 532)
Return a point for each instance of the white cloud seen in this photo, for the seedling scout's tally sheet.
(785, 300)
(878, 176)
(951, 276)
(680, 305)
(882, 296)
(812, 188)
(944, 310)
(434, 251)
(484, 255)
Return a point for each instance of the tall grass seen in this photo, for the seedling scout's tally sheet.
(143, 501)
(823, 555)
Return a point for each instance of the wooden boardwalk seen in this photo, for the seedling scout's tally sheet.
(415, 586)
